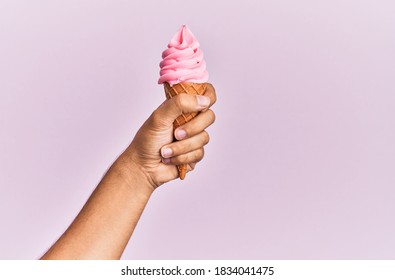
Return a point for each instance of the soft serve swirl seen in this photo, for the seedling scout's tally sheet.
(183, 60)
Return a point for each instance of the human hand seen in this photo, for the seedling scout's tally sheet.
(153, 150)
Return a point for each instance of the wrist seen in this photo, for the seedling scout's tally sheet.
(133, 174)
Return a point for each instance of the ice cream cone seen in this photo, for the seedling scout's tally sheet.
(186, 88)
(183, 70)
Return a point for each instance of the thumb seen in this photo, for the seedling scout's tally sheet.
(181, 104)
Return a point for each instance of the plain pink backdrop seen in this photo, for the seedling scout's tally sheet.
(301, 164)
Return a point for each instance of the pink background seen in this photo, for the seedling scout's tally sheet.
(301, 164)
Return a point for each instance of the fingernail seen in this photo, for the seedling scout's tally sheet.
(166, 160)
(166, 152)
(180, 134)
(203, 101)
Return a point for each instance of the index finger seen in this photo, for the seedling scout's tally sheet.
(210, 92)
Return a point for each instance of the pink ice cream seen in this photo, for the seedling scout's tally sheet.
(183, 60)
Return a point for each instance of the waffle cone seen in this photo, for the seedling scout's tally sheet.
(186, 88)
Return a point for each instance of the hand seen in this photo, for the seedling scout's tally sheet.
(153, 149)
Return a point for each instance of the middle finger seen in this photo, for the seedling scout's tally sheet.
(195, 126)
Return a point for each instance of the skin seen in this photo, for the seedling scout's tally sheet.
(106, 222)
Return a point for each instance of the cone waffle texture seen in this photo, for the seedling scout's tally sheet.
(186, 88)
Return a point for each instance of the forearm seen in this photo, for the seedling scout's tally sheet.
(103, 227)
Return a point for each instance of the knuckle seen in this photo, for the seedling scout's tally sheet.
(187, 129)
(155, 117)
(211, 88)
(175, 150)
(212, 115)
(206, 137)
(180, 101)
(199, 154)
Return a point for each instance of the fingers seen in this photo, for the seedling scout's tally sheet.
(192, 135)
(186, 151)
(183, 147)
(184, 103)
(168, 172)
(188, 158)
(195, 126)
(210, 93)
